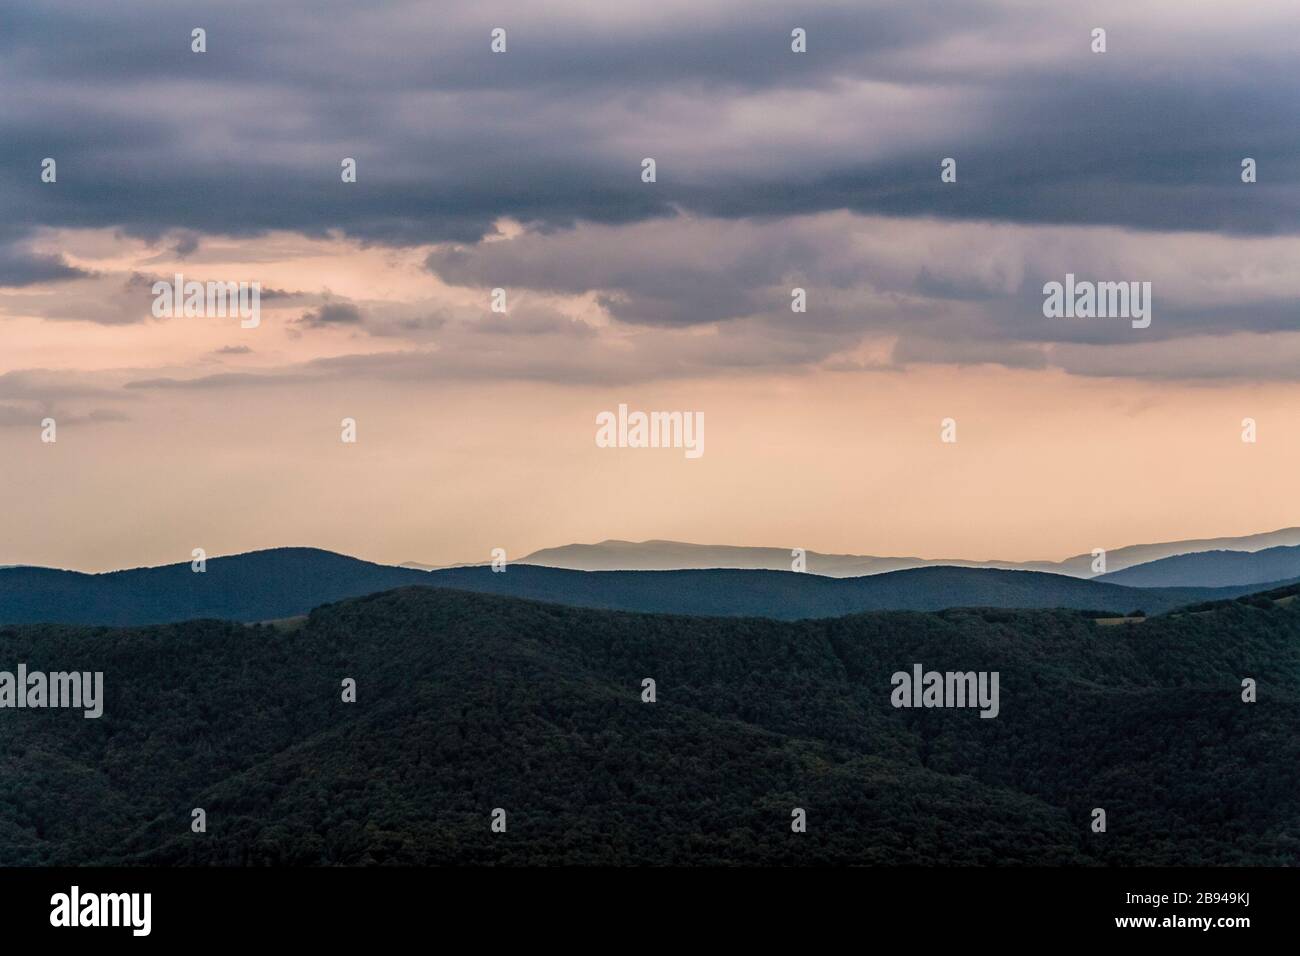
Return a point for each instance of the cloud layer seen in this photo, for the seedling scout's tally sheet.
(522, 172)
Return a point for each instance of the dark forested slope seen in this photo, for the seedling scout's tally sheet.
(470, 702)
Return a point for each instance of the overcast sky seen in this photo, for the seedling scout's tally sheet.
(522, 170)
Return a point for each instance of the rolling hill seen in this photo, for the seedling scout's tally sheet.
(469, 702)
(265, 585)
(1211, 569)
(784, 595)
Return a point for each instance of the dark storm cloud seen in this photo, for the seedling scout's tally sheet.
(770, 165)
(332, 314)
(957, 292)
(186, 244)
(248, 136)
(20, 267)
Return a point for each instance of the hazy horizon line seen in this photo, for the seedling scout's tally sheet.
(420, 565)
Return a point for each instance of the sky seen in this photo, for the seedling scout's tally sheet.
(522, 170)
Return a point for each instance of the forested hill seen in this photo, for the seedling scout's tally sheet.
(264, 585)
(468, 702)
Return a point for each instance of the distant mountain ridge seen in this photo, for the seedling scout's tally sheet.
(284, 582)
(785, 595)
(1223, 568)
(658, 555)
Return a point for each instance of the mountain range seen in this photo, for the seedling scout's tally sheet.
(285, 582)
(1211, 569)
(523, 691)
(677, 555)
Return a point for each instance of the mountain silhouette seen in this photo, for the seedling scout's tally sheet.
(614, 555)
(1212, 569)
(284, 582)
